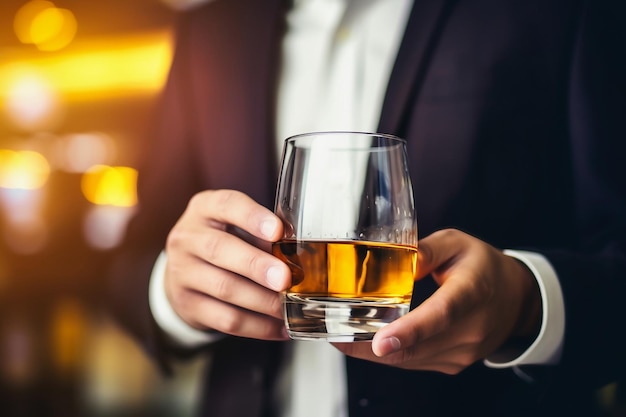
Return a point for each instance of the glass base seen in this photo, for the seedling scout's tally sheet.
(338, 319)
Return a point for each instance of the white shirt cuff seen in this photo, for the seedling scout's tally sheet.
(546, 349)
(165, 316)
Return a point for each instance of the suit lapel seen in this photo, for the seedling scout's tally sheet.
(425, 23)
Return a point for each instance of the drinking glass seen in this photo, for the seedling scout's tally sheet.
(350, 238)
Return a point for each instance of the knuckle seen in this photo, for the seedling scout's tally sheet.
(215, 202)
(175, 239)
(196, 199)
(224, 199)
(182, 300)
(230, 323)
(223, 288)
(447, 234)
(275, 305)
(200, 200)
(211, 248)
(256, 264)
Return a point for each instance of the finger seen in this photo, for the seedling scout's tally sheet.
(237, 209)
(233, 289)
(446, 361)
(457, 347)
(214, 314)
(228, 252)
(438, 250)
(453, 301)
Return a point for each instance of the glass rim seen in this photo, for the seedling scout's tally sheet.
(293, 138)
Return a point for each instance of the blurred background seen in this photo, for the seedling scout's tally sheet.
(78, 82)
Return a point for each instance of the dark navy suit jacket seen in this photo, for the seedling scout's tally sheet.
(514, 112)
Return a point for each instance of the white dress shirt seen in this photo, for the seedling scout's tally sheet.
(337, 58)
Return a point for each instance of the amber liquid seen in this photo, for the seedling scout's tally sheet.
(345, 288)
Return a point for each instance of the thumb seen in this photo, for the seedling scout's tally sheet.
(438, 254)
(438, 250)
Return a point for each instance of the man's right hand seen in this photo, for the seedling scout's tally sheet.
(220, 274)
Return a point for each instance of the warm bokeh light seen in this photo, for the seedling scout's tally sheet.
(68, 335)
(53, 29)
(77, 87)
(48, 27)
(107, 185)
(31, 100)
(104, 227)
(24, 170)
(25, 17)
(119, 376)
(22, 175)
(105, 69)
(78, 152)
(113, 191)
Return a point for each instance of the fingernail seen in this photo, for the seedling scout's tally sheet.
(388, 346)
(268, 227)
(275, 277)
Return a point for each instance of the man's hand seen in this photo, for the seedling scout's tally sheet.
(485, 299)
(220, 274)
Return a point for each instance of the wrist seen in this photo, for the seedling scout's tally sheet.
(528, 323)
(545, 349)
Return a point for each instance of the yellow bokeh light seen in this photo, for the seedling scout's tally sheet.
(108, 68)
(25, 170)
(53, 29)
(107, 185)
(68, 335)
(48, 27)
(25, 16)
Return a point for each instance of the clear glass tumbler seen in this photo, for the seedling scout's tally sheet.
(350, 238)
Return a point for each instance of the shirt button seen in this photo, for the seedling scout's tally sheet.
(342, 34)
(364, 402)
